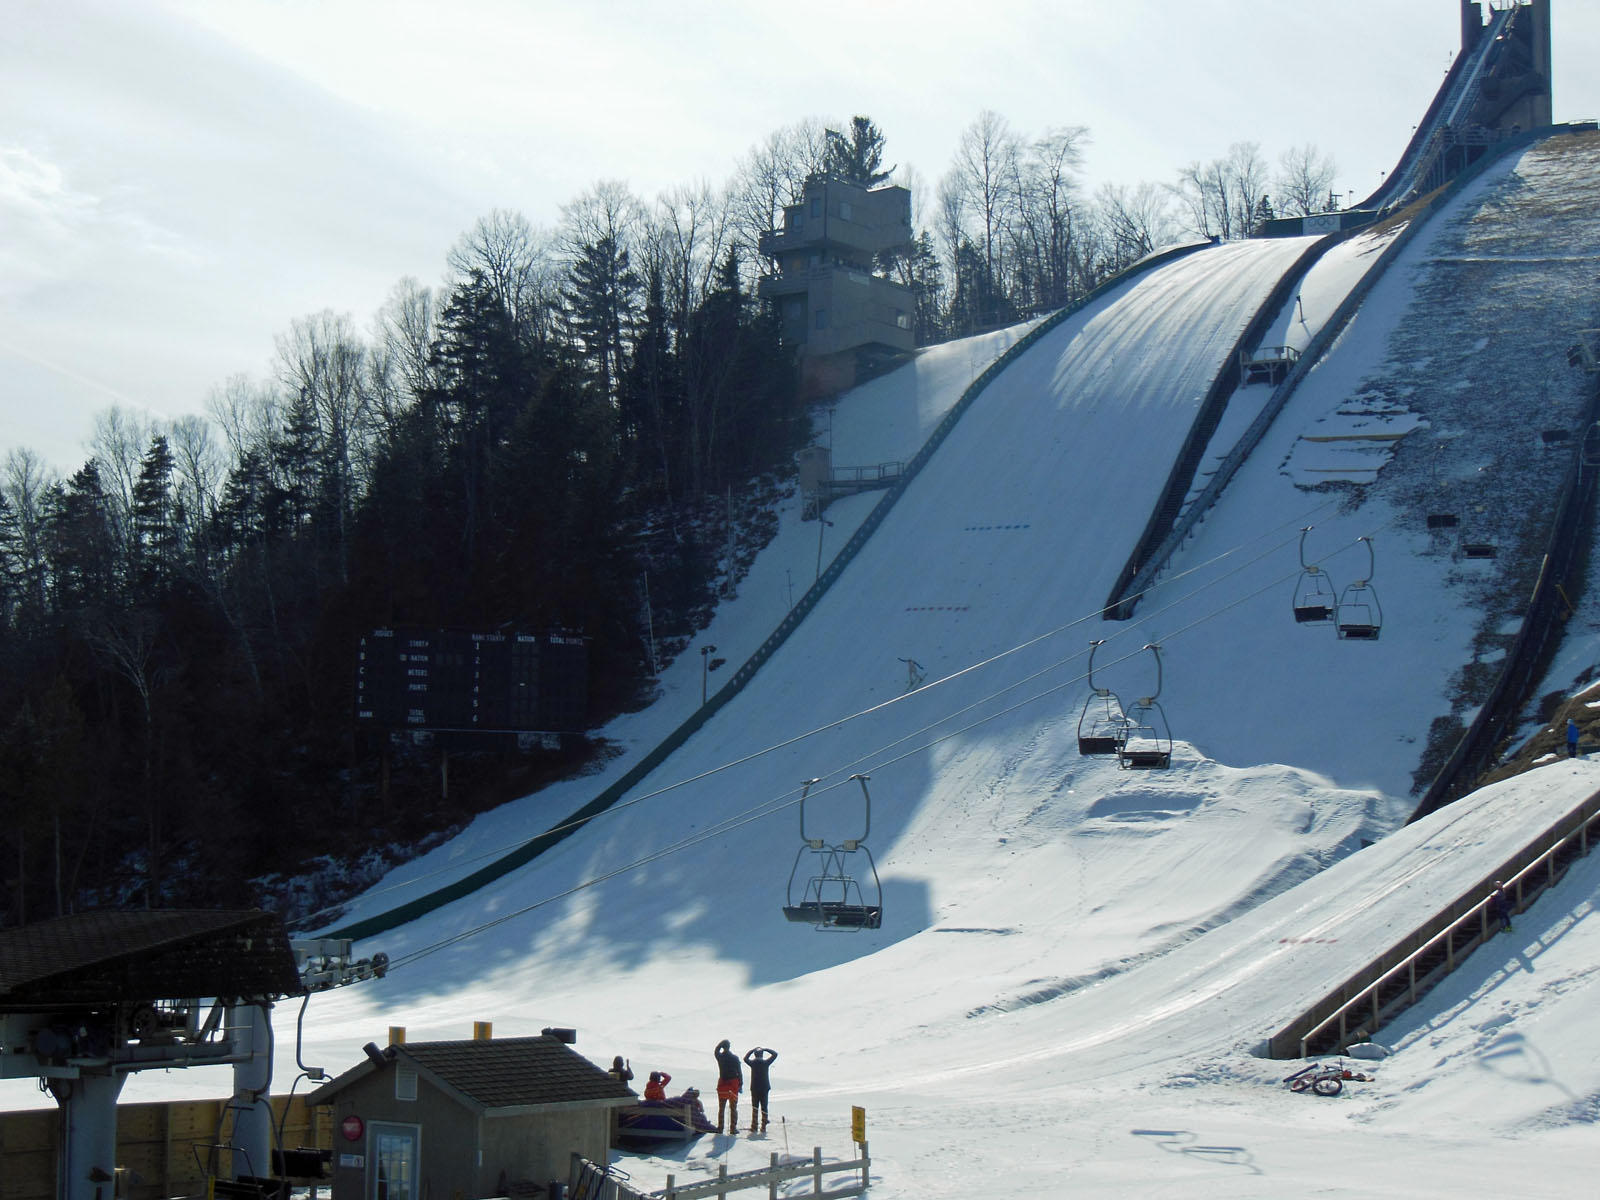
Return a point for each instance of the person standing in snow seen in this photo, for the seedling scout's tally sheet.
(759, 1060)
(1500, 907)
(730, 1082)
(1572, 738)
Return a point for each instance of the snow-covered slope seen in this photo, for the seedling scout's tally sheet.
(1075, 961)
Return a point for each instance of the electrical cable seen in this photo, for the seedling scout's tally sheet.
(456, 866)
(776, 804)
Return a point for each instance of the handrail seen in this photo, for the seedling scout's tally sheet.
(1464, 81)
(1362, 991)
(537, 845)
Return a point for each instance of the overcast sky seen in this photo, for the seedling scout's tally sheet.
(179, 179)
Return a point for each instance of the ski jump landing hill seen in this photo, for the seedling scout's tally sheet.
(1056, 455)
(1434, 363)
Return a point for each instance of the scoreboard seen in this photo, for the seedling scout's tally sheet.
(490, 682)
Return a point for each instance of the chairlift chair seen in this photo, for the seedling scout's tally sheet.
(1102, 725)
(831, 896)
(1314, 594)
(1360, 615)
(1147, 742)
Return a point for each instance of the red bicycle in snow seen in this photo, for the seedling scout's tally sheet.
(1323, 1079)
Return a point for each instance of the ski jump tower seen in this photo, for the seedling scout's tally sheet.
(1516, 96)
(1498, 87)
(836, 305)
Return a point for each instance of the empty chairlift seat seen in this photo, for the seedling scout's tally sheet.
(1315, 597)
(1147, 744)
(1102, 725)
(838, 887)
(1360, 615)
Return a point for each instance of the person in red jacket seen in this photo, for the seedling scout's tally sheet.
(656, 1088)
(730, 1082)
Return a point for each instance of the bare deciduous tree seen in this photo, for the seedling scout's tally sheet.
(247, 412)
(1247, 174)
(514, 259)
(1135, 220)
(689, 233)
(1046, 202)
(984, 174)
(320, 360)
(118, 444)
(1305, 178)
(24, 484)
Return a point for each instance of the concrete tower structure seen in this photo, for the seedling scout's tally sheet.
(836, 305)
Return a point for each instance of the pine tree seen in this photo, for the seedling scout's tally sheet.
(155, 531)
(651, 408)
(858, 156)
(483, 375)
(82, 545)
(296, 452)
(600, 306)
(1263, 214)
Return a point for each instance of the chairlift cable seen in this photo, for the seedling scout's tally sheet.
(456, 866)
(769, 807)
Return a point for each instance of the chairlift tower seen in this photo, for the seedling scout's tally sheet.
(88, 999)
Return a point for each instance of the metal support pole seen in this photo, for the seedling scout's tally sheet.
(88, 1135)
(252, 1085)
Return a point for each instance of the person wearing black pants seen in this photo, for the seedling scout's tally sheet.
(759, 1060)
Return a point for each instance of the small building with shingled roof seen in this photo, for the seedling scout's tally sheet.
(461, 1119)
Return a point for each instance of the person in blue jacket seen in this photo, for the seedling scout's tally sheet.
(1572, 738)
(759, 1060)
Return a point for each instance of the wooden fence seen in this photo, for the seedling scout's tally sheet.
(591, 1181)
(156, 1146)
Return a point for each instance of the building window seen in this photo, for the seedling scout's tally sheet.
(816, 206)
(901, 319)
(822, 318)
(405, 1083)
(844, 209)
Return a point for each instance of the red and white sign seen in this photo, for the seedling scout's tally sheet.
(352, 1127)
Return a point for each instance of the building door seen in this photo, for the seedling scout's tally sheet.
(394, 1161)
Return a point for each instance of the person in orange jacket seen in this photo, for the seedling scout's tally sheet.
(656, 1088)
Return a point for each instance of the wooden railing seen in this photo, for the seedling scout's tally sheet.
(591, 1181)
(1403, 975)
